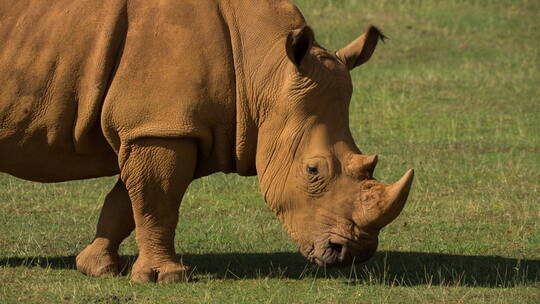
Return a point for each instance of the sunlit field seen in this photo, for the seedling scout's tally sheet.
(454, 93)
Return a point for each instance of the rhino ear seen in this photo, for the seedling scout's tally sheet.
(361, 49)
(298, 43)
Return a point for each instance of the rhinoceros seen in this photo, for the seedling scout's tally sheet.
(164, 92)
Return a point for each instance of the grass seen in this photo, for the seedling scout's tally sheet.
(454, 94)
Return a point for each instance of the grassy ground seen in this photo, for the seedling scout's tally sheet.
(454, 94)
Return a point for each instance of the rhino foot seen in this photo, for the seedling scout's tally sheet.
(144, 270)
(100, 262)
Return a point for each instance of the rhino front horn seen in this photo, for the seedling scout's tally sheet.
(395, 196)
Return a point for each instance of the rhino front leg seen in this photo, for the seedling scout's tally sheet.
(115, 224)
(156, 173)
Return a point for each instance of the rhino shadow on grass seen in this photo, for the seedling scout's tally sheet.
(386, 267)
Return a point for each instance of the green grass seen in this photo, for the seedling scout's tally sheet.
(454, 94)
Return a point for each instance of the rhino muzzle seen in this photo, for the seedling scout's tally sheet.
(338, 250)
(345, 252)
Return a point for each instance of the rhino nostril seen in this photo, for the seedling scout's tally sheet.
(336, 247)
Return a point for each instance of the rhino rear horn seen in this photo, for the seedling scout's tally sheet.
(360, 50)
(299, 42)
(361, 166)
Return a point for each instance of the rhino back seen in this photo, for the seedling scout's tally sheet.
(56, 58)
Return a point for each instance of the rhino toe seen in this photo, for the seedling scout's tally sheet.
(168, 272)
(98, 263)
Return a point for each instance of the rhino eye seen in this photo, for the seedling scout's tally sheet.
(312, 170)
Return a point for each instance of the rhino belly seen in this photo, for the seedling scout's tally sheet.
(36, 160)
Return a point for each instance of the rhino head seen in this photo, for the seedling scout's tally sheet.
(311, 172)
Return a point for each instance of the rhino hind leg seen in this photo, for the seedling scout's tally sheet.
(156, 173)
(116, 223)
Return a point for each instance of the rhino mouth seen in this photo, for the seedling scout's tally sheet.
(333, 255)
(340, 252)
